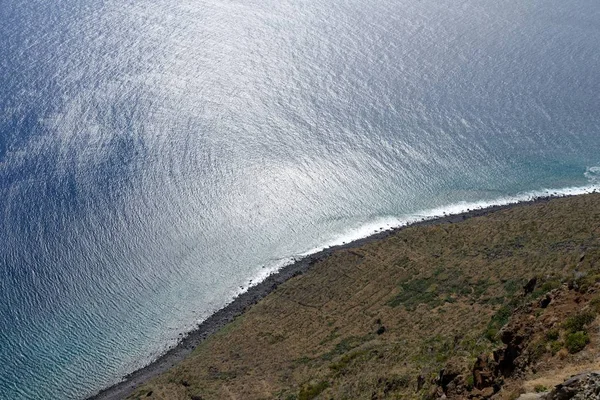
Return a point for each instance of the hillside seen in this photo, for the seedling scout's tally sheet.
(489, 307)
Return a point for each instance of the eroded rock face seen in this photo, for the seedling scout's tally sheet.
(484, 374)
(524, 343)
(585, 386)
(490, 370)
(516, 336)
(451, 379)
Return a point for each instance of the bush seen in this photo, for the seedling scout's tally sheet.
(491, 334)
(550, 285)
(393, 383)
(552, 334)
(540, 388)
(497, 322)
(511, 286)
(575, 342)
(311, 391)
(555, 347)
(577, 322)
(595, 303)
(470, 382)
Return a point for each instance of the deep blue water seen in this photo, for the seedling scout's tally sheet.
(157, 155)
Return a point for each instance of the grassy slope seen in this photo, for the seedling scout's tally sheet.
(436, 290)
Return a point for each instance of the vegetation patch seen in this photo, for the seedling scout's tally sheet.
(344, 346)
(540, 389)
(575, 342)
(578, 322)
(555, 347)
(346, 359)
(550, 285)
(393, 383)
(311, 391)
(595, 303)
(332, 336)
(552, 334)
(436, 290)
(499, 319)
(512, 286)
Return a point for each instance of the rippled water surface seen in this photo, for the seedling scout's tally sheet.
(157, 155)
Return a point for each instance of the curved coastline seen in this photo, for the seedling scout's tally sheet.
(258, 291)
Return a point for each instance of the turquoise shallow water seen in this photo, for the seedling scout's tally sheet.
(157, 156)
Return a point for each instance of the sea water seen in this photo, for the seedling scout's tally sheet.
(156, 156)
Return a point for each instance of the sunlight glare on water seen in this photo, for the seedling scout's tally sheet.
(155, 156)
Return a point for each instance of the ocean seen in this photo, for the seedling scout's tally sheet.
(158, 157)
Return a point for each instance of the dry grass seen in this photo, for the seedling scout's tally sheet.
(434, 289)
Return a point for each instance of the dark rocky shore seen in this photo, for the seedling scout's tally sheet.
(255, 293)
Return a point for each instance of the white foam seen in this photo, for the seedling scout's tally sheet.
(391, 222)
(593, 174)
(266, 270)
(388, 223)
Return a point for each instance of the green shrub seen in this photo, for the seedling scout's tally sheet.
(435, 290)
(394, 382)
(491, 334)
(538, 349)
(344, 346)
(512, 286)
(550, 285)
(470, 382)
(540, 388)
(498, 321)
(415, 292)
(575, 342)
(595, 303)
(578, 322)
(309, 392)
(552, 334)
(555, 347)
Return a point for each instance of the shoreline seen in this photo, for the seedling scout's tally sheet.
(240, 304)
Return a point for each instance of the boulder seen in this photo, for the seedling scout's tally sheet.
(530, 285)
(584, 386)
